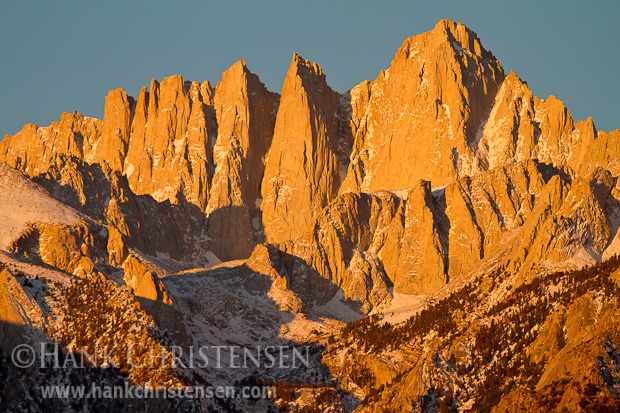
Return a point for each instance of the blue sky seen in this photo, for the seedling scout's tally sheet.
(62, 56)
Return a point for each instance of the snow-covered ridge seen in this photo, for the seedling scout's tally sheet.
(23, 202)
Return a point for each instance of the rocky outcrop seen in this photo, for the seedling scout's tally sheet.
(144, 282)
(170, 150)
(526, 216)
(596, 149)
(347, 241)
(143, 223)
(32, 149)
(570, 225)
(66, 248)
(84, 247)
(20, 315)
(521, 126)
(162, 144)
(481, 211)
(267, 260)
(246, 113)
(302, 171)
(415, 257)
(112, 146)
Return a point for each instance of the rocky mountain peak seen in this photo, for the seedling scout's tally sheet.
(302, 170)
(304, 68)
(462, 38)
(425, 110)
(245, 114)
(118, 114)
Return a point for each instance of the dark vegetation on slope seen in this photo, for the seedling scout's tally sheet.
(500, 359)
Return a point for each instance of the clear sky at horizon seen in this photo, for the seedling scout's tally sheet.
(65, 55)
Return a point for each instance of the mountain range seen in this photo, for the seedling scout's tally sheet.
(441, 238)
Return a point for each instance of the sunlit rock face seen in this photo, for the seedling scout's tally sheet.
(302, 171)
